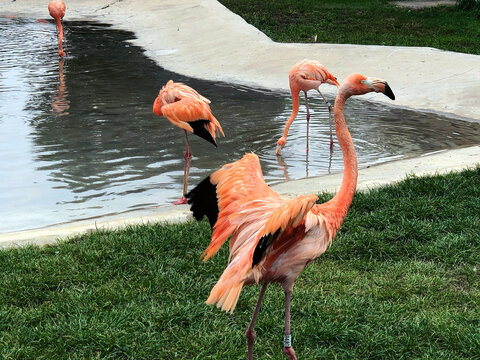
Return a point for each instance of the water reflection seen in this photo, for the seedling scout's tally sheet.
(79, 138)
(60, 102)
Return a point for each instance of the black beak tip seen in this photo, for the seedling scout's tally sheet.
(389, 92)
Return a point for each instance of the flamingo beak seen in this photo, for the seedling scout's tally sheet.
(388, 91)
(336, 82)
(332, 80)
(379, 85)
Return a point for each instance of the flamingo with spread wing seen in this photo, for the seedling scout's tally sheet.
(273, 238)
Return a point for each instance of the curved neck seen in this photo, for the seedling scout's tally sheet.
(60, 35)
(295, 107)
(339, 204)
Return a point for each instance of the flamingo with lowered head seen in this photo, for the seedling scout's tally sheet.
(303, 76)
(187, 109)
(56, 8)
(273, 238)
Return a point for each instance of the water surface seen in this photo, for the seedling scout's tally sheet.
(79, 139)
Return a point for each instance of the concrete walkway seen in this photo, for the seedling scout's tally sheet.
(371, 177)
(417, 4)
(201, 38)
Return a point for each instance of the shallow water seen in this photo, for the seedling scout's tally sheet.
(79, 138)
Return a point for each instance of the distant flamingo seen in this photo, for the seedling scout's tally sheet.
(187, 109)
(273, 238)
(56, 8)
(303, 76)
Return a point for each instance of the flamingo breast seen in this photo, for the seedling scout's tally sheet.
(284, 263)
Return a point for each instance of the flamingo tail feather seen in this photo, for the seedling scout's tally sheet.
(200, 129)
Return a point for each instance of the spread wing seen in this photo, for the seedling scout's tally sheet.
(242, 197)
(249, 212)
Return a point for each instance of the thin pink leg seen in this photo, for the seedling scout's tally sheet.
(330, 159)
(329, 120)
(308, 116)
(250, 333)
(287, 337)
(330, 123)
(186, 170)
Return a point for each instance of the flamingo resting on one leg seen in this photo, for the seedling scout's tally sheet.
(56, 8)
(303, 76)
(187, 109)
(273, 238)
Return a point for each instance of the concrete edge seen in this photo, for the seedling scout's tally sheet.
(53, 234)
(371, 177)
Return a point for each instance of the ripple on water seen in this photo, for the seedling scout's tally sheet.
(79, 138)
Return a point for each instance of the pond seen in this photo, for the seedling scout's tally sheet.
(79, 138)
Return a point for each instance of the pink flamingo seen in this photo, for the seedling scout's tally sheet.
(303, 76)
(187, 109)
(56, 8)
(273, 238)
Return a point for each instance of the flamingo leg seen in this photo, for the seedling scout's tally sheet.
(308, 116)
(186, 170)
(330, 160)
(287, 337)
(250, 333)
(329, 119)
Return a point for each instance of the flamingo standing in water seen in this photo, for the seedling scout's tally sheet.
(56, 8)
(303, 76)
(187, 109)
(273, 238)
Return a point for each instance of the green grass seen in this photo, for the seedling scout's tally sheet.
(401, 281)
(375, 22)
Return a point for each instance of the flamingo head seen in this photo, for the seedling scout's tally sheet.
(358, 84)
(332, 80)
(280, 144)
(157, 106)
(61, 53)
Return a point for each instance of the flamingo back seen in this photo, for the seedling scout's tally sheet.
(309, 74)
(186, 108)
(57, 8)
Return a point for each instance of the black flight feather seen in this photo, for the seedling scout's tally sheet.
(262, 246)
(203, 201)
(199, 129)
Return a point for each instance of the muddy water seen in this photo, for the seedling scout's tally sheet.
(79, 139)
